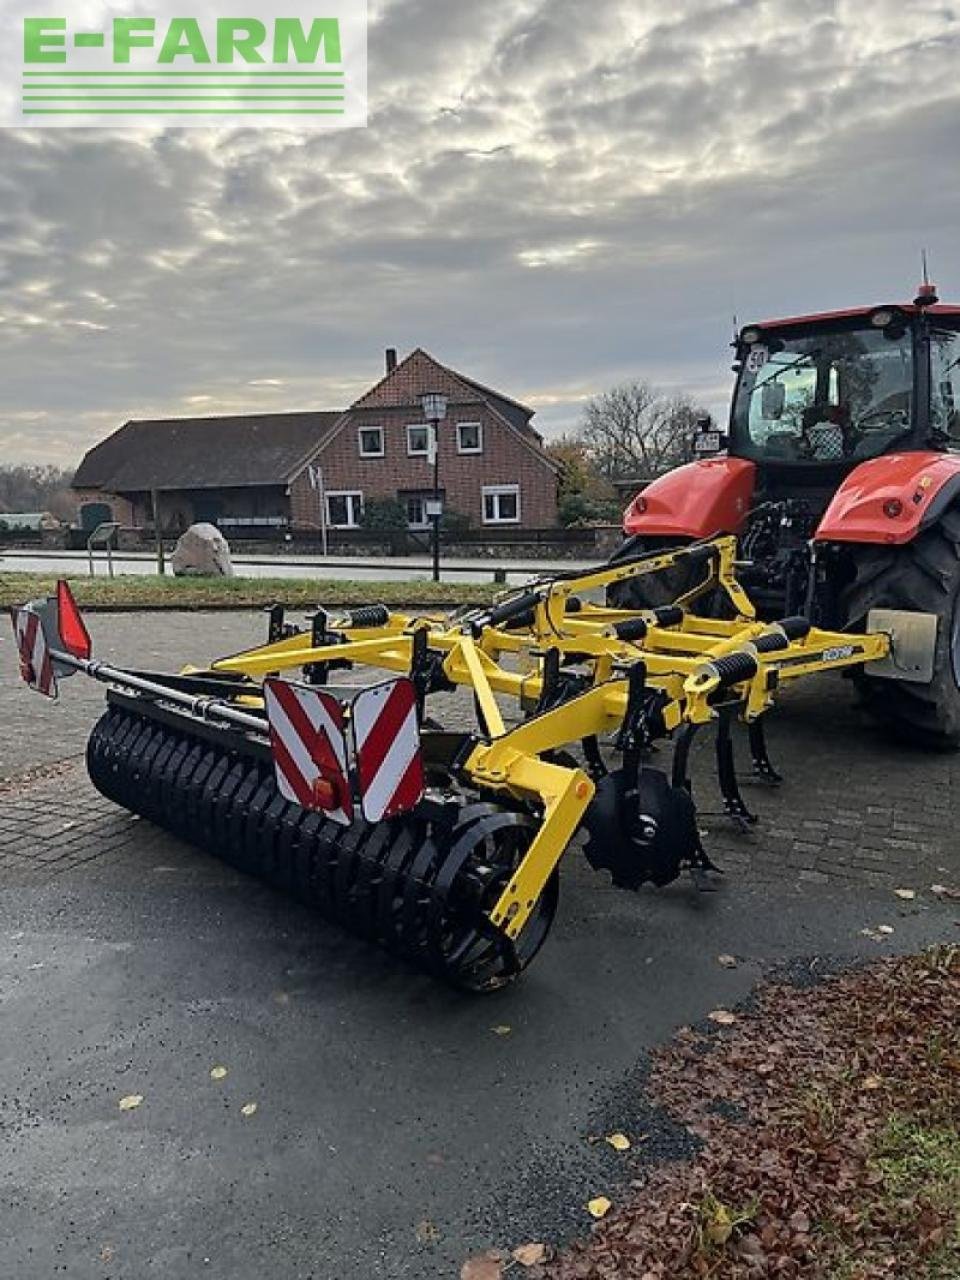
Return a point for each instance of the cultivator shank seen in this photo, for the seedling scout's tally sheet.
(458, 871)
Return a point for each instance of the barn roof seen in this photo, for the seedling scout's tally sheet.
(204, 453)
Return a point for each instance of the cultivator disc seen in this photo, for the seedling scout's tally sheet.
(420, 885)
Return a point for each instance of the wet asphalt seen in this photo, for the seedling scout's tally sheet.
(399, 1127)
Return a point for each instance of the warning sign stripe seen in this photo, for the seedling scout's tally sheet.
(308, 744)
(35, 660)
(387, 742)
(374, 742)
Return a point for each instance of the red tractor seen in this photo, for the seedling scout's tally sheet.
(841, 478)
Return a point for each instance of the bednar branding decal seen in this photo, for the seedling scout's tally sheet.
(386, 734)
(36, 666)
(88, 64)
(309, 748)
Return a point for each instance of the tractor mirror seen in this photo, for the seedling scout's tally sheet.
(773, 398)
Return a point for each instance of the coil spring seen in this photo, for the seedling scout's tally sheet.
(734, 667)
(369, 615)
(419, 886)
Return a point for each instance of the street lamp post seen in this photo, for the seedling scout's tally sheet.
(434, 405)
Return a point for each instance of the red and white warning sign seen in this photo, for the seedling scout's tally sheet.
(36, 666)
(386, 735)
(309, 747)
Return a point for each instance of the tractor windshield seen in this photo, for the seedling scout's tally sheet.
(824, 396)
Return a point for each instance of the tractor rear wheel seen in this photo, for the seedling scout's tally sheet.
(653, 591)
(656, 589)
(924, 575)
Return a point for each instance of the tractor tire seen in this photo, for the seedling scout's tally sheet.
(923, 575)
(659, 589)
(656, 590)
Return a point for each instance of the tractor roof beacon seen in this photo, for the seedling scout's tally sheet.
(840, 477)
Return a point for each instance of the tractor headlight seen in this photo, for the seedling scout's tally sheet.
(884, 317)
(751, 336)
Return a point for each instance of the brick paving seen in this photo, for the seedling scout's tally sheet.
(855, 807)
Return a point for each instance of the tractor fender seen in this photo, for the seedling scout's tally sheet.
(891, 499)
(698, 500)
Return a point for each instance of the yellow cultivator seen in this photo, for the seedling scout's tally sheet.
(444, 844)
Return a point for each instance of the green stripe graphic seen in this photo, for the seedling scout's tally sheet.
(188, 97)
(182, 73)
(183, 111)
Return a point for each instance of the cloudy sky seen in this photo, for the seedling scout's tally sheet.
(552, 195)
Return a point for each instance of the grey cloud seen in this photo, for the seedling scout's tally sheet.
(549, 201)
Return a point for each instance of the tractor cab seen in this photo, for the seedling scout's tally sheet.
(818, 395)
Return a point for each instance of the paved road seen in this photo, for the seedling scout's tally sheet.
(396, 1131)
(336, 568)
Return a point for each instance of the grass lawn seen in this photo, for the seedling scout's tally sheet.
(150, 592)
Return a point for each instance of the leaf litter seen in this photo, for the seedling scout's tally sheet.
(830, 1123)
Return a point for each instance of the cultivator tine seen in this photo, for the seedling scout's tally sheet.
(762, 766)
(681, 757)
(733, 801)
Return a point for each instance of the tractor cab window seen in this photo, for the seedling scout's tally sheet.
(824, 397)
(945, 385)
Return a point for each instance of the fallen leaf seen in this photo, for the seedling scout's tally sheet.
(487, 1266)
(619, 1141)
(501, 1030)
(217, 1073)
(530, 1255)
(727, 962)
(720, 1226)
(106, 1253)
(723, 1017)
(599, 1207)
(130, 1102)
(871, 1082)
(248, 1109)
(428, 1232)
(907, 895)
(885, 929)
(944, 891)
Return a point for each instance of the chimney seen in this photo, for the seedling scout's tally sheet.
(391, 359)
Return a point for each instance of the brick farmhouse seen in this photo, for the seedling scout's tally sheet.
(283, 470)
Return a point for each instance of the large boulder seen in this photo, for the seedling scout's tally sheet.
(202, 552)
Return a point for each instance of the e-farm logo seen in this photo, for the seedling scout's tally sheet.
(300, 66)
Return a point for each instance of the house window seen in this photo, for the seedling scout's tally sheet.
(344, 510)
(501, 504)
(417, 511)
(418, 440)
(469, 437)
(371, 442)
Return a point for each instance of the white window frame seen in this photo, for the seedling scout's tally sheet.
(425, 451)
(422, 499)
(460, 446)
(357, 495)
(496, 491)
(361, 431)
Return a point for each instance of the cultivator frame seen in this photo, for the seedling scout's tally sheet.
(466, 881)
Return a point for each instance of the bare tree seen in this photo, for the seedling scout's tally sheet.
(36, 488)
(634, 431)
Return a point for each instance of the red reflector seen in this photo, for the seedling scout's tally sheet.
(73, 629)
(326, 794)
